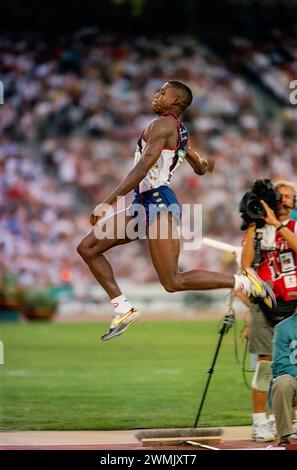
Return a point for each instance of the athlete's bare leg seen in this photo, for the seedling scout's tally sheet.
(91, 250)
(165, 253)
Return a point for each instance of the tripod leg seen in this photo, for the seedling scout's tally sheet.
(210, 372)
(227, 324)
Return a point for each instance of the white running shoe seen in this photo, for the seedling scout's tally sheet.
(256, 287)
(120, 323)
(262, 433)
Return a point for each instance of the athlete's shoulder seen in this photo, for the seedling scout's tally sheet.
(164, 125)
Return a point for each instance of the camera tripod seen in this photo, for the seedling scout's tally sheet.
(228, 321)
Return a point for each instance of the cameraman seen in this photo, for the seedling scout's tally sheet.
(277, 266)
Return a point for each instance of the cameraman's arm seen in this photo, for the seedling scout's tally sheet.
(289, 236)
(285, 232)
(248, 250)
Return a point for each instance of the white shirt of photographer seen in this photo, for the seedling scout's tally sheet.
(268, 236)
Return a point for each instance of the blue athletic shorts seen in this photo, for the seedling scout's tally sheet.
(156, 200)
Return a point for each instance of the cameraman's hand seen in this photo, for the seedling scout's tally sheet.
(270, 217)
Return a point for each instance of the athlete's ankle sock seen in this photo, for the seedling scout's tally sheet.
(121, 304)
(258, 417)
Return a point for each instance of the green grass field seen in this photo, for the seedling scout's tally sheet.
(59, 376)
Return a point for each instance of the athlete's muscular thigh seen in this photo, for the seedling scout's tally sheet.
(110, 233)
(164, 250)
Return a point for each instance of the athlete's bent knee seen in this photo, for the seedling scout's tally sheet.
(171, 285)
(82, 249)
(88, 251)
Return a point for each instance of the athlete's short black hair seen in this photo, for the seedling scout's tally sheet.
(185, 92)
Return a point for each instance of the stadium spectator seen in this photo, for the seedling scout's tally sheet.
(284, 385)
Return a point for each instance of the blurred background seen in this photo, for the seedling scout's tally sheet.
(78, 82)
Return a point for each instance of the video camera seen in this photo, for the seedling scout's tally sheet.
(250, 205)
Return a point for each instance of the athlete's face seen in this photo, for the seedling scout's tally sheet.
(287, 201)
(164, 99)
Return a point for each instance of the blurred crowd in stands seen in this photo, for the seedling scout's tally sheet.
(72, 113)
(272, 61)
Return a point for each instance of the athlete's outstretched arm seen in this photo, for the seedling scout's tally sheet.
(158, 133)
(200, 165)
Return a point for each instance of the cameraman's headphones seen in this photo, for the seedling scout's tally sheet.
(288, 184)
